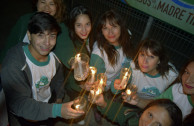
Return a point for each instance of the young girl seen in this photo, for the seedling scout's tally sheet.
(161, 112)
(112, 47)
(151, 71)
(80, 25)
(182, 92)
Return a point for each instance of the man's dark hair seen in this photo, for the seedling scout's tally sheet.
(41, 22)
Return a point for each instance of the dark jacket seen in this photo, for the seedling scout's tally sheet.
(16, 82)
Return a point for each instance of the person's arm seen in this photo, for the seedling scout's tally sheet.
(141, 103)
(113, 111)
(65, 111)
(135, 100)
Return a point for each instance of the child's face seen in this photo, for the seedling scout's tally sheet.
(148, 62)
(155, 116)
(83, 26)
(111, 33)
(47, 6)
(41, 43)
(188, 79)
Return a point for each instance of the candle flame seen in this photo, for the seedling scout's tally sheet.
(78, 58)
(93, 71)
(101, 81)
(98, 91)
(128, 91)
(78, 55)
(126, 74)
(77, 106)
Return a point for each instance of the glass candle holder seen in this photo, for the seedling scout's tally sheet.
(94, 93)
(80, 103)
(101, 80)
(130, 91)
(81, 66)
(124, 77)
(92, 75)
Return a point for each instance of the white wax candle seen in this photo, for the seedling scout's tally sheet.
(124, 80)
(93, 76)
(78, 58)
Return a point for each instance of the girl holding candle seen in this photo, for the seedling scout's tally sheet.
(80, 26)
(113, 46)
(161, 112)
(181, 92)
(151, 70)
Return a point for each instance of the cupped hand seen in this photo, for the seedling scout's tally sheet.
(133, 100)
(88, 86)
(99, 100)
(69, 113)
(117, 84)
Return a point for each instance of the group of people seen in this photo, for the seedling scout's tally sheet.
(36, 72)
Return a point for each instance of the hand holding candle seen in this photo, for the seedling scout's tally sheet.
(80, 103)
(94, 94)
(131, 91)
(81, 66)
(92, 75)
(124, 77)
(101, 79)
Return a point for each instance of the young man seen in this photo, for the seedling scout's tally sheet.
(32, 75)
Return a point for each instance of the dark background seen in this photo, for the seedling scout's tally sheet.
(11, 10)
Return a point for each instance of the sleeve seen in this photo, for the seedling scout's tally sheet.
(15, 36)
(97, 62)
(115, 112)
(166, 94)
(18, 92)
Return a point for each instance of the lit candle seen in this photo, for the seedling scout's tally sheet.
(80, 103)
(78, 58)
(128, 92)
(124, 81)
(101, 82)
(99, 91)
(77, 107)
(93, 75)
(94, 94)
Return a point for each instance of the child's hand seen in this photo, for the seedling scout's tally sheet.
(68, 113)
(99, 100)
(88, 86)
(117, 84)
(71, 62)
(132, 100)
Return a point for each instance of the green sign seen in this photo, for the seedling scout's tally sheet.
(179, 13)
